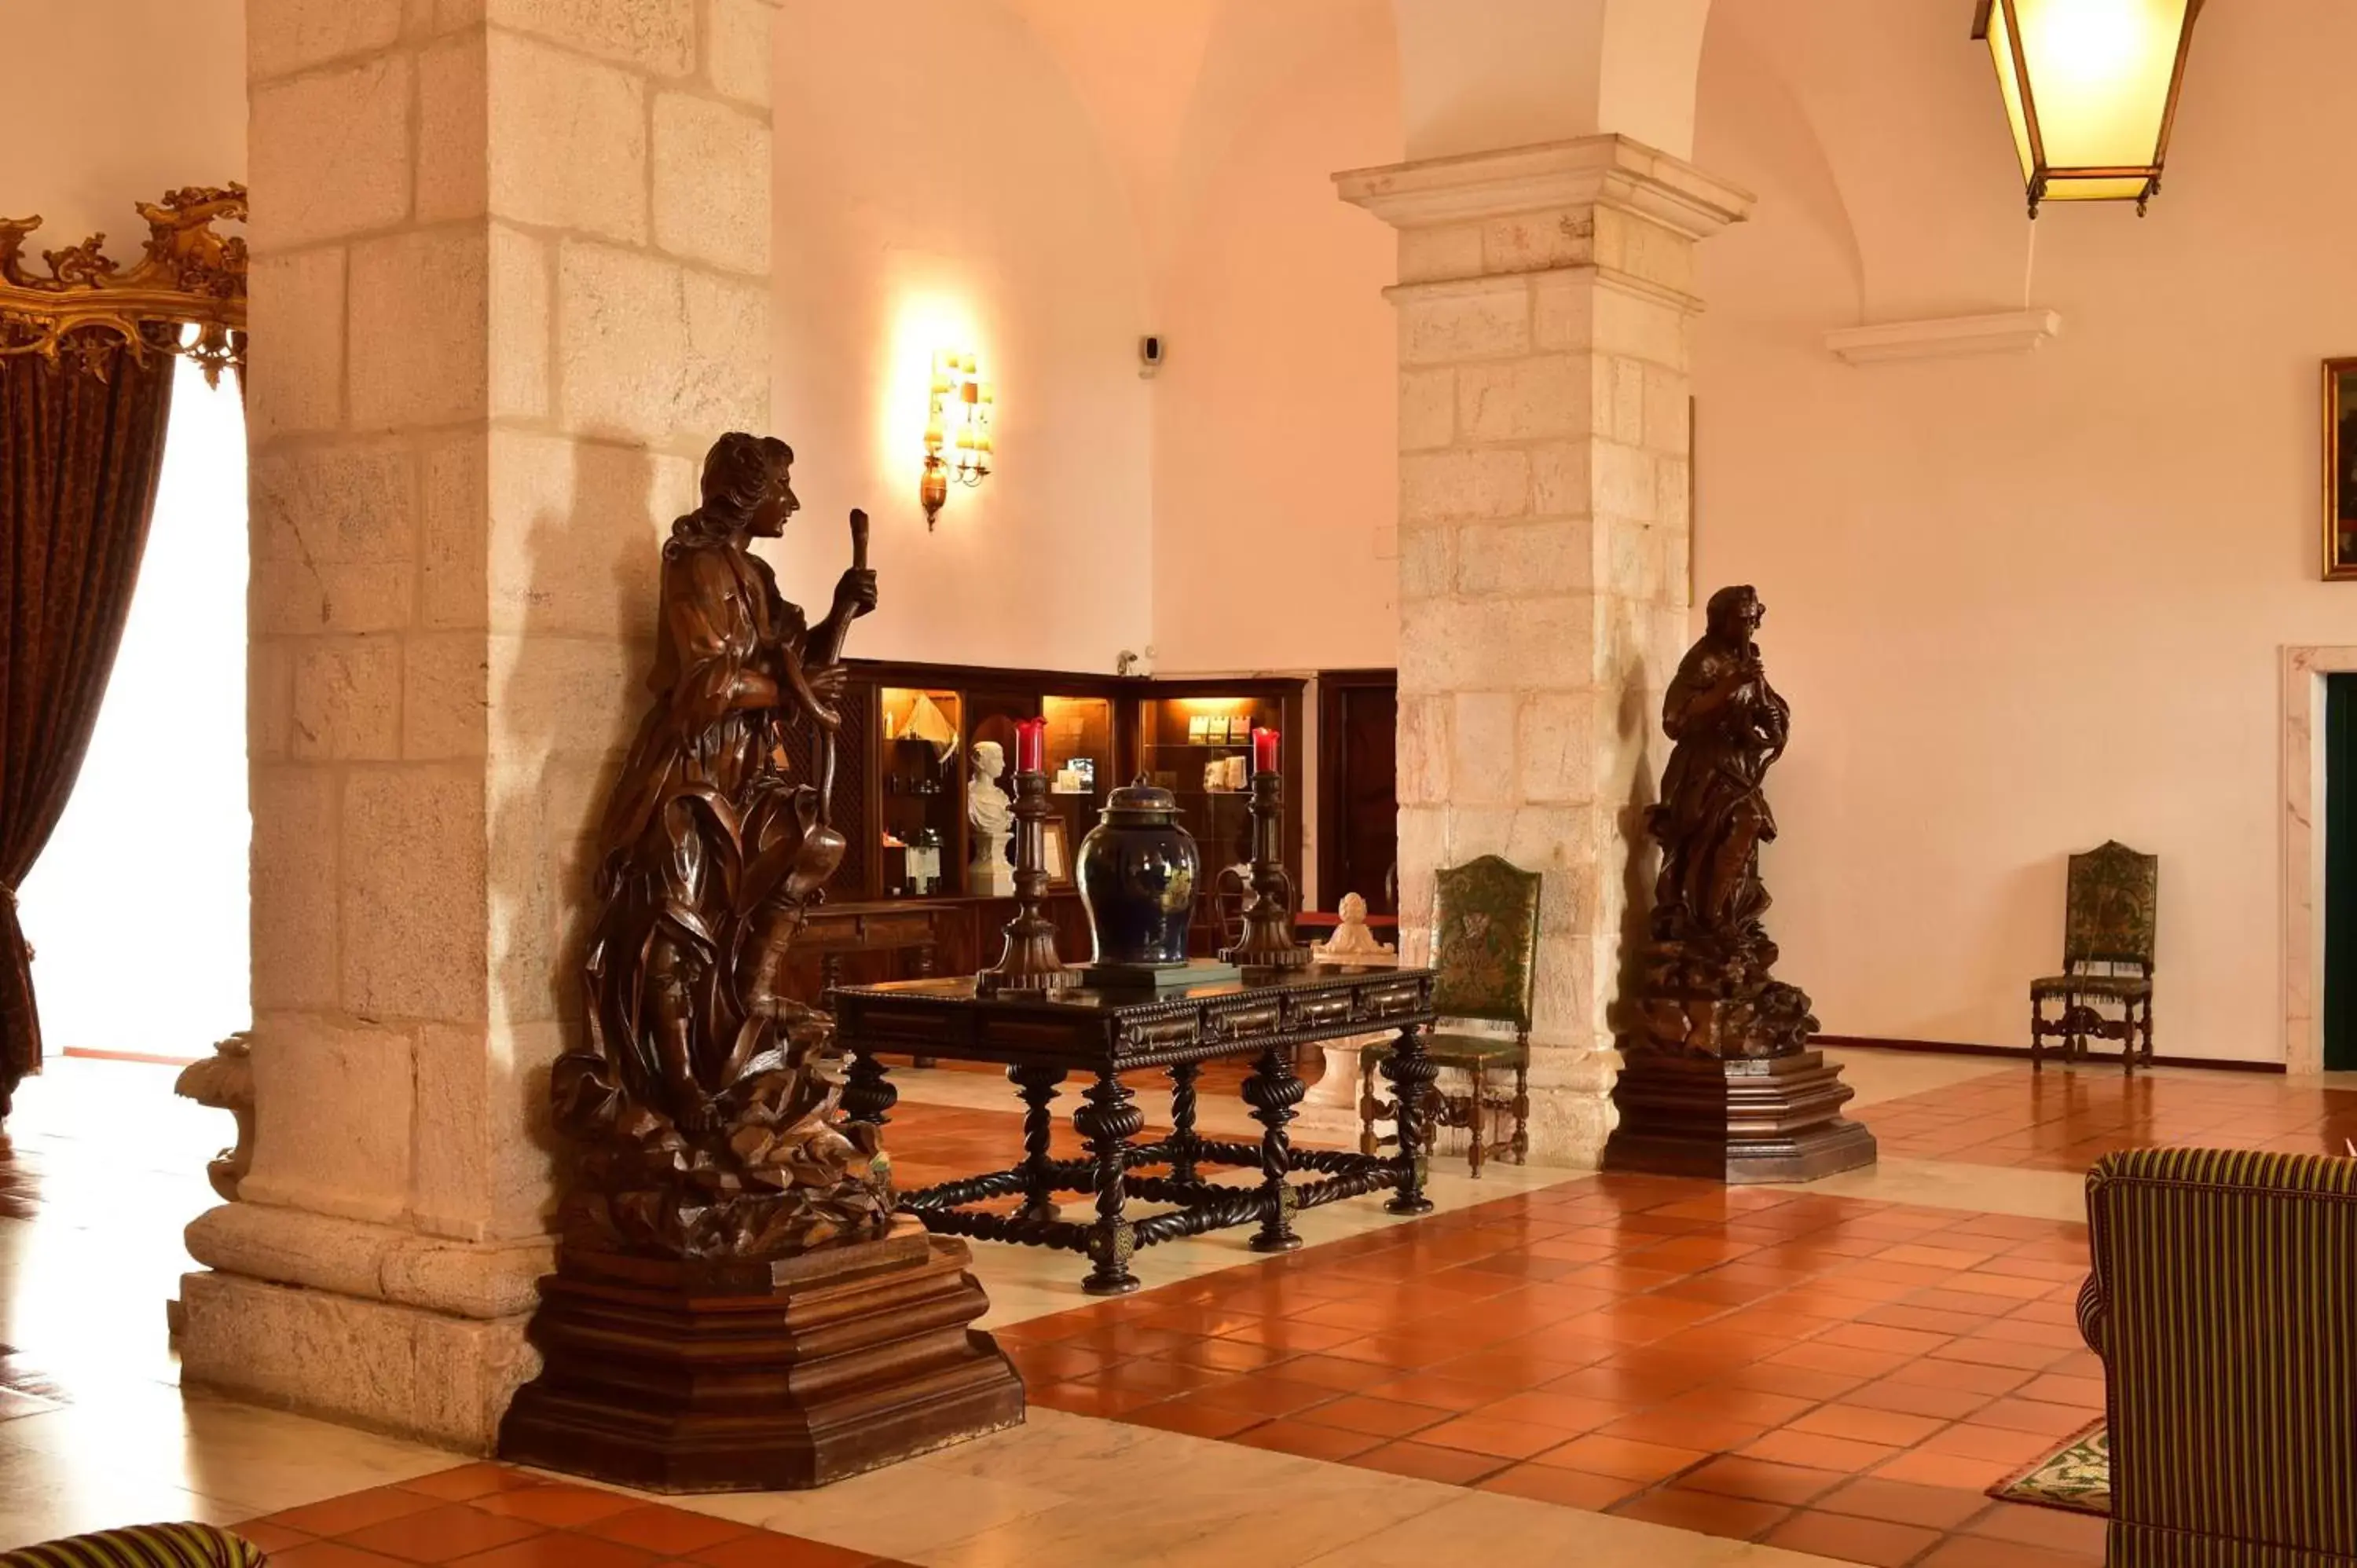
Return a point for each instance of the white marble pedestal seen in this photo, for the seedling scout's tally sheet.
(1329, 1112)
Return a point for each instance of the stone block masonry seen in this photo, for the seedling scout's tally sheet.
(1545, 322)
(511, 275)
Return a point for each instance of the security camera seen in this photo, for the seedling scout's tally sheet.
(1150, 349)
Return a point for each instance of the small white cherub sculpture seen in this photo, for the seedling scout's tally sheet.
(991, 812)
(1353, 942)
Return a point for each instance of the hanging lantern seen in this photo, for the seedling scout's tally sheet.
(2090, 88)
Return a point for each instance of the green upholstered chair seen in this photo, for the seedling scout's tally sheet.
(2110, 909)
(1485, 936)
(2224, 1303)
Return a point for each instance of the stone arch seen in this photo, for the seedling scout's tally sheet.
(1529, 71)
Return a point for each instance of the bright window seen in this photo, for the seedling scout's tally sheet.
(137, 911)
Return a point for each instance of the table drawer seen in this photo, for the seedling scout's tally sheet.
(1138, 1035)
(1399, 999)
(1247, 1020)
(1316, 1011)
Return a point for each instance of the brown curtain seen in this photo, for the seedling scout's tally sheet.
(79, 460)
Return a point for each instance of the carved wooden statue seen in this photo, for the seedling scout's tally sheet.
(697, 1102)
(1719, 1078)
(736, 1306)
(1705, 988)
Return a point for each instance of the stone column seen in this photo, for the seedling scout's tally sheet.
(1545, 315)
(511, 264)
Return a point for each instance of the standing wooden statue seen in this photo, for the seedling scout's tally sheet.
(717, 1208)
(697, 1099)
(1719, 1080)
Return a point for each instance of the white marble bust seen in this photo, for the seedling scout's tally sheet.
(992, 813)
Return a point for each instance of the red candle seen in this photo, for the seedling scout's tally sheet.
(1031, 746)
(1264, 750)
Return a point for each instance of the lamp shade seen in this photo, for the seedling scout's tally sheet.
(2090, 88)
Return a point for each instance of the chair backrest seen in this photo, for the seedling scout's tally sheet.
(1231, 895)
(2111, 908)
(1485, 942)
(2224, 1304)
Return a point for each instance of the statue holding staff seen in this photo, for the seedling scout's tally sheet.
(698, 1100)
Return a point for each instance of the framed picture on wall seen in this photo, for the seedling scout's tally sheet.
(1055, 855)
(2341, 468)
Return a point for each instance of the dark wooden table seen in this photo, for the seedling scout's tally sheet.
(1043, 1037)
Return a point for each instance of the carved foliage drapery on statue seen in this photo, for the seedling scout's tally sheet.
(86, 365)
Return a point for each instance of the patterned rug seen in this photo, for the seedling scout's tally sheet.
(2076, 1476)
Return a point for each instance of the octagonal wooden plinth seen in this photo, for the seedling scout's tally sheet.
(1774, 1119)
(684, 1378)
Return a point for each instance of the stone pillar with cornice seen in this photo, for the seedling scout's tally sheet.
(1546, 311)
(510, 277)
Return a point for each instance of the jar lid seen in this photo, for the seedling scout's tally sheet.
(1139, 798)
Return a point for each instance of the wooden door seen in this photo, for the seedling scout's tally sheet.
(2340, 871)
(1358, 788)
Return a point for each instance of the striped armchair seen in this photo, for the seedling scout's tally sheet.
(2224, 1303)
(143, 1546)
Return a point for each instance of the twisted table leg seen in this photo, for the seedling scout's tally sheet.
(1273, 1091)
(1411, 1073)
(1183, 1139)
(1037, 1086)
(867, 1093)
(1109, 1121)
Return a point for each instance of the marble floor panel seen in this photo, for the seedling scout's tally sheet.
(1063, 1491)
(495, 1516)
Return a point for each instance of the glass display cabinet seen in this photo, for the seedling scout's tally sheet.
(921, 827)
(904, 773)
(1200, 748)
(1081, 771)
(1195, 740)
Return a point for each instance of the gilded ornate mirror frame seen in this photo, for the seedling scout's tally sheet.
(89, 306)
(2341, 469)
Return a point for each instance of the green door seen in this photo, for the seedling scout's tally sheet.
(2340, 871)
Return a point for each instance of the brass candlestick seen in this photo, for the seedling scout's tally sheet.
(1031, 961)
(1268, 924)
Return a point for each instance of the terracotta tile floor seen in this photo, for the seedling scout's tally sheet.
(493, 1516)
(2067, 1120)
(1839, 1376)
(932, 1143)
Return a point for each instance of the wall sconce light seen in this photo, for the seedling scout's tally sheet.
(957, 432)
(2089, 89)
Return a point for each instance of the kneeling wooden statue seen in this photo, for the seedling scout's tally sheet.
(736, 1305)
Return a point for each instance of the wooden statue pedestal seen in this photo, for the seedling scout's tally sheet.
(1736, 1120)
(783, 1375)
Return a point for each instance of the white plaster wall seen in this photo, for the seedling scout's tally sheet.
(112, 101)
(1276, 500)
(2023, 603)
(938, 184)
